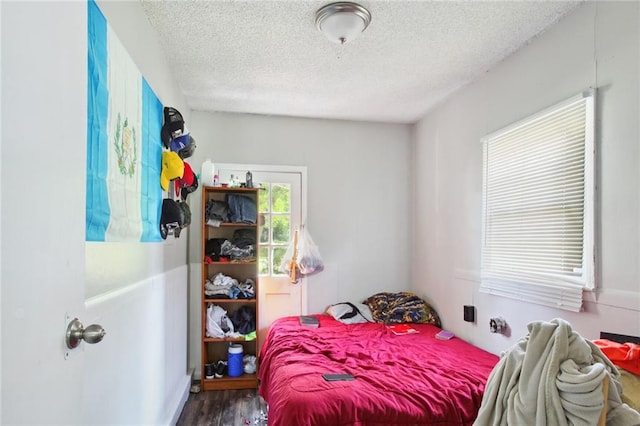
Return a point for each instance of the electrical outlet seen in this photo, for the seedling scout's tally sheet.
(469, 313)
(497, 325)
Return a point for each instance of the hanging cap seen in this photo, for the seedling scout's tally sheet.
(188, 183)
(173, 120)
(173, 125)
(184, 145)
(172, 168)
(175, 215)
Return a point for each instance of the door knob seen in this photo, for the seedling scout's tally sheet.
(76, 332)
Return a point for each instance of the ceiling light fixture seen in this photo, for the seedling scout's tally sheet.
(343, 21)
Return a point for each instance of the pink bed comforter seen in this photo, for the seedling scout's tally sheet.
(413, 379)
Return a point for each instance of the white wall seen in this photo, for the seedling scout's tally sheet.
(597, 45)
(137, 373)
(138, 292)
(359, 190)
(114, 265)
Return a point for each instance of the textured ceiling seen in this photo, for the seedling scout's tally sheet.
(267, 57)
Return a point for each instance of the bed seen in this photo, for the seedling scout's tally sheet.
(412, 379)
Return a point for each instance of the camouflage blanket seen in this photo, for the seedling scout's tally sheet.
(395, 308)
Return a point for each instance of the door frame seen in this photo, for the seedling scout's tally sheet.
(269, 168)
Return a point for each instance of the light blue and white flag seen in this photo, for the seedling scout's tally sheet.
(124, 149)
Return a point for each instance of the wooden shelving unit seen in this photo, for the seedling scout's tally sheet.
(214, 349)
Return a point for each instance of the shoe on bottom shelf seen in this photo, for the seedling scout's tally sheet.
(249, 362)
(221, 369)
(209, 371)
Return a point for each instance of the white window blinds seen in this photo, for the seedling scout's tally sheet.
(538, 206)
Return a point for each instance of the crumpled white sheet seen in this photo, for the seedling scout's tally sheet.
(553, 377)
(217, 319)
(222, 279)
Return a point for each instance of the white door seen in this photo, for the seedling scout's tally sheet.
(282, 211)
(42, 195)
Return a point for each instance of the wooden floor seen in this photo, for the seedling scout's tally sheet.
(224, 408)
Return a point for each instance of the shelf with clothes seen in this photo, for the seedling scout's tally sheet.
(229, 295)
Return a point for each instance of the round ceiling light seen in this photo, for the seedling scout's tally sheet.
(342, 22)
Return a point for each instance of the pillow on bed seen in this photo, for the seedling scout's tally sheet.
(396, 308)
(350, 313)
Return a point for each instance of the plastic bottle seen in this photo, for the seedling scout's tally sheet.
(207, 173)
(249, 180)
(216, 180)
(234, 360)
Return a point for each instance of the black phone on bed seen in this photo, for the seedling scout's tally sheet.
(337, 377)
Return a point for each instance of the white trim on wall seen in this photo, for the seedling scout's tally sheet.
(614, 298)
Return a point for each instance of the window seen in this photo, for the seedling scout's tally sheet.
(538, 206)
(275, 231)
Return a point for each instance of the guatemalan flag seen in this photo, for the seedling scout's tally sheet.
(124, 149)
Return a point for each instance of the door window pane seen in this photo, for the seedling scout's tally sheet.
(265, 229)
(263, 260)
(265, 198)
(278, 255)
(281, 229)
(281, 198)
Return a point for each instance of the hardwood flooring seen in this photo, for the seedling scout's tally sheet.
(224, 408)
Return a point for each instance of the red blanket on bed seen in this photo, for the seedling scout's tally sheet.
(412, 379)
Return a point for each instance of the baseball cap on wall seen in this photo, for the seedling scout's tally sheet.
(173, 125)
(172, 168)
(175, 216)
(188, 183)
(184, 145)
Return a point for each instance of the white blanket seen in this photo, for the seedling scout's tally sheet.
(553, 377)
